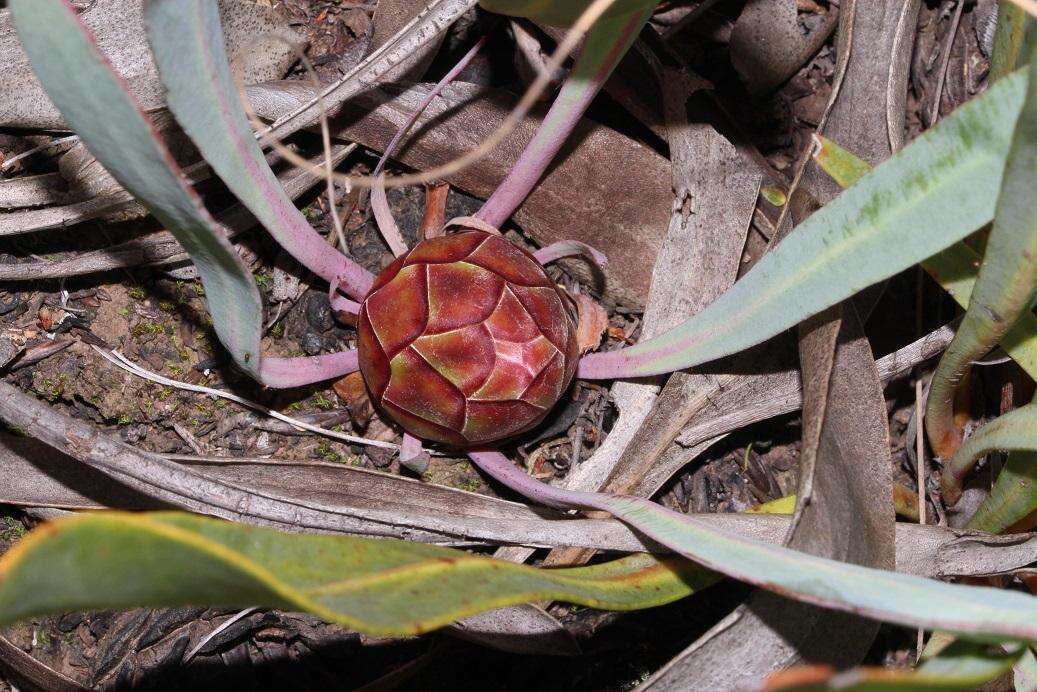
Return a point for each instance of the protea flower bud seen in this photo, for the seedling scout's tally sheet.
(466, 340)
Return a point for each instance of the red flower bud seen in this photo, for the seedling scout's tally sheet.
(466, 340)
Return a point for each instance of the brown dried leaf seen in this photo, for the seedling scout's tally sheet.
(390, 16)
(353, 393)
(48, 317)
(593, 321)
(434, 219)
(768, 44)
(33, 474)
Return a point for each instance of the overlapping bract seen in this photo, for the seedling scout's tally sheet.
(466, 340)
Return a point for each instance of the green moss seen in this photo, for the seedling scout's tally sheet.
(53, 388)
(469, 483)
(147, 327)
(11, 529)
(137, 293)
(323, 402)
(325, 452)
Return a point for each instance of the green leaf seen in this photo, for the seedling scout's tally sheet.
(389, 587)
(1014, 495)
(972, 612)
(1013, 431)
(187, 41)
(931, 194)
(560, 12)
(841, 165)
(1012, 498)
(1025, 670)
(1012, 40)
(95, 103)
(961, 666)
(955, 268)
(1004, 291)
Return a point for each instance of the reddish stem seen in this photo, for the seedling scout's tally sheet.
(285, 373)
(591, 70)
(379, 203)
(570, 248)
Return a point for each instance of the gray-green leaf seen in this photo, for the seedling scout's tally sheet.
(94, 101)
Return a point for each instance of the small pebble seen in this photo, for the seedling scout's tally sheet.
(312, 344)
(318, 312)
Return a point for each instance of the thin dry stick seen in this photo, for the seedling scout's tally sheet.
(919, 414)
(8, 163)
(920, 473)
(121, 361)
(329, 169)
(208, 638)
(514, 118)
(919, 403)
(842, 61)
(325, 133)
(920, 470)
(945, 61)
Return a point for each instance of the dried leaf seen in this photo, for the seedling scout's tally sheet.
(353, 393)
(593, 321)
(768, 45)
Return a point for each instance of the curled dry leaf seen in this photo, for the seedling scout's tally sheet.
(48, 318)
(592, 321)
(353, 393)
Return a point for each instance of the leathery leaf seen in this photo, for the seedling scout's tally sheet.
(388, 587)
